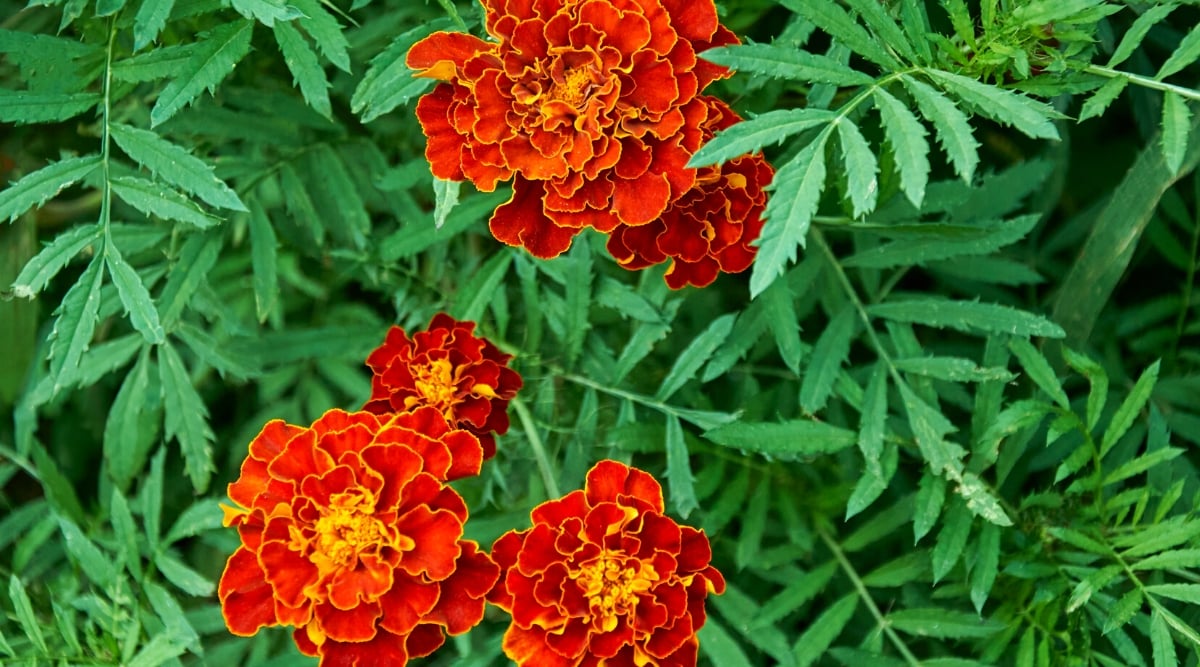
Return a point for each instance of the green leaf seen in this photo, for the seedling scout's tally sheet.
(389, 82)
(263, 258)
(579, 277)
(818, 637)
(1123, 418)
(183, 577)
(76, 323)
(987, 563)
(163, 62)
(1175, 128)
(834, 20)
(1183, 628)
(474, 296)
(1104, 96)
(149, 21)
(753, 135)
(1039, 370)
(789, 63)
(415, 236)
(153, 199)
(24, 610)
(136, 299)
(1161, 642)
(981, 501)
(1185, 54)
(720, 648)
(871, 431)
(935, 242)
(53, 258)
(951, 124)
(783, 441)
(907, 137)
(884, 26)
(967, 316)
(306, 72)
(23, 107)
(213, 60)
(828, 355)
(1137, 32)
(338, 203)
(1120, 613)
(930, 428)
(95, 564)
(931, 496)
(175, 165)
(270, 13)
(45, 183)
(325, 31)
(1098, 379)
(186, 418)
(126, 534)
(951, 540)
(778, 306)
(942, 623)
(797, 190)
(679, 470)
(1028, 116)
(150, 498)
(1088, 586)
(699, 351)
(1189, 593)
(200, 517)
(1141, 464)
(1041, 12)
(861, 168)
(1176, 559)
(794, 595)
(952, 369)
(754, 523)
(445, 197)
(195, 260)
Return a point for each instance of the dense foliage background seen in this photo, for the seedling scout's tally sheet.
(950, 417)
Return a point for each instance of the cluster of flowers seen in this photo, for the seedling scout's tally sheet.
(593, 108)
(351, 535)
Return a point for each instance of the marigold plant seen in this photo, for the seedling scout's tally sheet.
(446, 367)
(350, 534)
(604, 577)
(589, 107)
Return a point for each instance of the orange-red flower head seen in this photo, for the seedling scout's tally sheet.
(604, 577)
(350, 534)
(588, 106)
(709, 229)
(446, 367)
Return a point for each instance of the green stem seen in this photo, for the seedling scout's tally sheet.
(106, 139)
(20, 461)
(1186, 305)
(539, 448)
(865, 595)
(1144, 81)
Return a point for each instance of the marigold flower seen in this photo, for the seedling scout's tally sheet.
(588, 106)
(604, 577)
(446, 367)
(350, 534)
(709, 229)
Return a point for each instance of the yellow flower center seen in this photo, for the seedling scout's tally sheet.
(435, 383)
(611, 584)
(348, 528)
(574, 89)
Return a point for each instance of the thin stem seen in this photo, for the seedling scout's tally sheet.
(7, 453)
(1144, 81)
(539, 448)
(865, 595)
(1186, 305)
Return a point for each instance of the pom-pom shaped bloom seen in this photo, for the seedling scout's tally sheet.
(709, 229)
(446, 367)
(588, 106)
(604, 577)
(350, 534)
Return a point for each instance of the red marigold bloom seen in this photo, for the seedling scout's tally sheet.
(709, 229)
(604, 577)
(588, 106)
(350, 534)
(447, 367)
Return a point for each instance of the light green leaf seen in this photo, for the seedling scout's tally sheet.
(306, 71)
(445, 198)
(688, 363)
(24, 610)
(871, 431)
(1098, 379)
(200, 517)
(754, 523)
(951, 540)
(1041, 12)
(935, 242)
(154, 199)
(981, 501)
(195, 260)
(1122, 612)
(951, 124)
(1027, 115)
(887, 31)
(834, 20)
(1130, 408)
(24, 107)
(907, 137)
(162, 62)
(475, 294)
(268, 13)
(987, 563)
(213, 60)
(95, 564)
(1185, 54)
(753, 135)
(175, 165)
(861, 168)
(794, 595)
(719, 647)
(796, 190)
(783, 441)
(76, 323)
(930, 428)
(1141, 464)
(943, 623)
(1104, 96)
(45, 183)
(1161, 642)
(931, 497)
(132, 424)
(830, 352)
(389, 82)
(325, 31)
(1137, 31)
(952, 369)
(185, 578)
(51, 259)
(578, 278)
(149, 21)
(679, 470)
(967, 316)
(818, 637)
(1178, 624)
(136, 299)
(1176, 126)
(1039, 370)
(414, 236)
(263, 258)
(1189, 593)
(783, 62)
(1183, 559)
(186, 418)
(338, 203)
(1088, 586)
